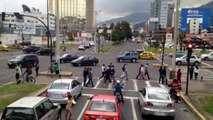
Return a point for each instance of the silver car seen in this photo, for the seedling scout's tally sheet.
(156, 101)
(60, 89)
(194, 60)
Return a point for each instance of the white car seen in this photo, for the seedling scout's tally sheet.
(81, 47)
(92, 43)
(194, 59)
(60, 89)
(156, 101)
(207, 56)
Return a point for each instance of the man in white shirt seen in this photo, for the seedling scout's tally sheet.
(103, 68)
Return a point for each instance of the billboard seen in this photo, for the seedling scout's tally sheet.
(203, 14)
(27, 28)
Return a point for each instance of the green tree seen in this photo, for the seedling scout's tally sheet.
(135, 33)
(143, 35)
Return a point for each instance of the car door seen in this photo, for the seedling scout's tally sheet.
(78, 87)
(68, 58)
(144, 55)
(193, 59)
(52, 114)
(74, 89)
(41, 112)
(85, 61)
(91, 60)
(142, 96)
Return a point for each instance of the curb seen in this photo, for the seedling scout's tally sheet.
(192, 107)
(159, 65)
(45, 73)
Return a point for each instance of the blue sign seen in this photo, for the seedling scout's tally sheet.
(204, 14)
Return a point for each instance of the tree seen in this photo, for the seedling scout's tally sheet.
(143, 35)
(135, 33)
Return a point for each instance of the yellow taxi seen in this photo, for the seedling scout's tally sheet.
(148, 55)
(4, 48)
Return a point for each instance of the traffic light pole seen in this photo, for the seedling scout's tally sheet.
(189, 53)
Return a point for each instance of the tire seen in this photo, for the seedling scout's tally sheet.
(120, 60)
(171, 117)
(179, 63)
(196, 63)
(143, 115)
(79, 64)
(151, 58)
(94, 64)
(61, 61)
(206, 58)
(133, 60)
(32, 80)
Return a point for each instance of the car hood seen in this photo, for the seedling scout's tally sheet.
(120, 56)
(14, 60)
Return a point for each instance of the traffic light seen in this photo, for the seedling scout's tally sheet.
(3, 16)
(189, 53)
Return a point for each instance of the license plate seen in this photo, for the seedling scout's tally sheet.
(56, 96)
(160, 113)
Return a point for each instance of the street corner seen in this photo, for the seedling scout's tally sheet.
(160, 65)
(62, 74)
(189, 104)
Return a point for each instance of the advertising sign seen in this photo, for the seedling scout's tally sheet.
(204, 14)
(27, 28)
(168, 37)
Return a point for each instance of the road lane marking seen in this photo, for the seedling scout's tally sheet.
(82, 111)
(108, 89)
(97, 83)
(2, 58)
(148, 84)
(126, 97)
(133, 110)
(135, 85)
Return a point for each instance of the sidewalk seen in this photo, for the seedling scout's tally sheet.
(62, 73)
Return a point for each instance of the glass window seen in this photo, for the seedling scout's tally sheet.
(193, 57)
(60, 86)
(158, 96)
(40, 111)
(48, 105)
(103, 106)
(74, 84)
(19, 113)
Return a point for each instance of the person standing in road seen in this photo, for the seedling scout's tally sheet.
(160, 75)
(139, 72)
(112, 73)
(70, 102)
(126, 71)
(107, 75)
(164, 79)
(196, 71)
(90, 77)
(103, 68)
(142, 72)
(85, 75)
(179, 75)
(56, 69)
(147, 71)
(18, 73)
(191, 72)
(37, 69)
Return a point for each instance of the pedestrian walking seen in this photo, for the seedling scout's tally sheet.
(191, 72)
(51, 70)
(196, 71)
(57, 69)
(147, 71)
(107, 75)
(142, 72)
(112, 73)
(37, 69)
(18, 73)
(164, 79)
(179, 74)
(103, 68)
(139, 72)
(85, 75)
(125, 72)
(90, 77)
(70, 103)
(160, 74)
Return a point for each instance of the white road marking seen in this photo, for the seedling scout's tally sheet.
(82, 111)
(108, 89)
(97, 83)
(148, 84)
(206, 64)
(135, 85)
(126, 97)
(133, 110)
(110, 86)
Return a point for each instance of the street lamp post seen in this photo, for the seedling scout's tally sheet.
(95, 34)
(189, 53)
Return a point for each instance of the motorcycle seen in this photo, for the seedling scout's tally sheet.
(175, 94)
(118, 98)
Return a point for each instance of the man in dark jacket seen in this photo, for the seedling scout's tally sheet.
(85, 75)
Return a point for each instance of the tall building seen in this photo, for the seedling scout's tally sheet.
(161, 14)
(67, 8)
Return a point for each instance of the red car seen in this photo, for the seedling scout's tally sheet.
(103, 107)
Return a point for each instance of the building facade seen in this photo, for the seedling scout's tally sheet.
(161, 13)
(67, 8)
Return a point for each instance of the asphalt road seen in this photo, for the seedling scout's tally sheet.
(130, 109)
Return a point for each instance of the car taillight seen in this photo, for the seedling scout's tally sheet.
(68, 94)
(46, 94)
(147, 104)
(116, 118)
(86, 117)
(171, 105)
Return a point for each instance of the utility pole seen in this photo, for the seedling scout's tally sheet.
(48, 39)
(57, 33)
(189, 53)
(172, 73)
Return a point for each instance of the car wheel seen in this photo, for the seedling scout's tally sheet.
(133, 60)
(172, 117)
(79, 64)
(120, 60)
(143, 115)
(206, 58)
(179, 63)
(62, 61)
(151, 58)
(94, 64)
(196, 63)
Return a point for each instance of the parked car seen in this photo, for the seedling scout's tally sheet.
(87, 45)
(128, 56)
(60, 89)
(148, 55)
(207, 56)
(81, 47)
(32, 108)
(91, 43)
(4, 48)
(25, 43)
(67, 58)
(139, 51)
(156, 101)
(86, 60)
(194, 59)
(103, 107)
(24, 60)
(179, 54)
(45, 51)
(31, 49)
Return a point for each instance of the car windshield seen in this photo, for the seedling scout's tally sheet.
(103, 106)
(64, 55)
(60, 86)
(19, 113)
(158, 96)
(81, 57)
(19, 57)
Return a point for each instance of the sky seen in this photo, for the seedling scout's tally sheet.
(110, 8)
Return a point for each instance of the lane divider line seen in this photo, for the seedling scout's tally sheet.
(97, 83)
(107, 89)
(82, 111)
(133, 110)
(148, 84)
(135, 85)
